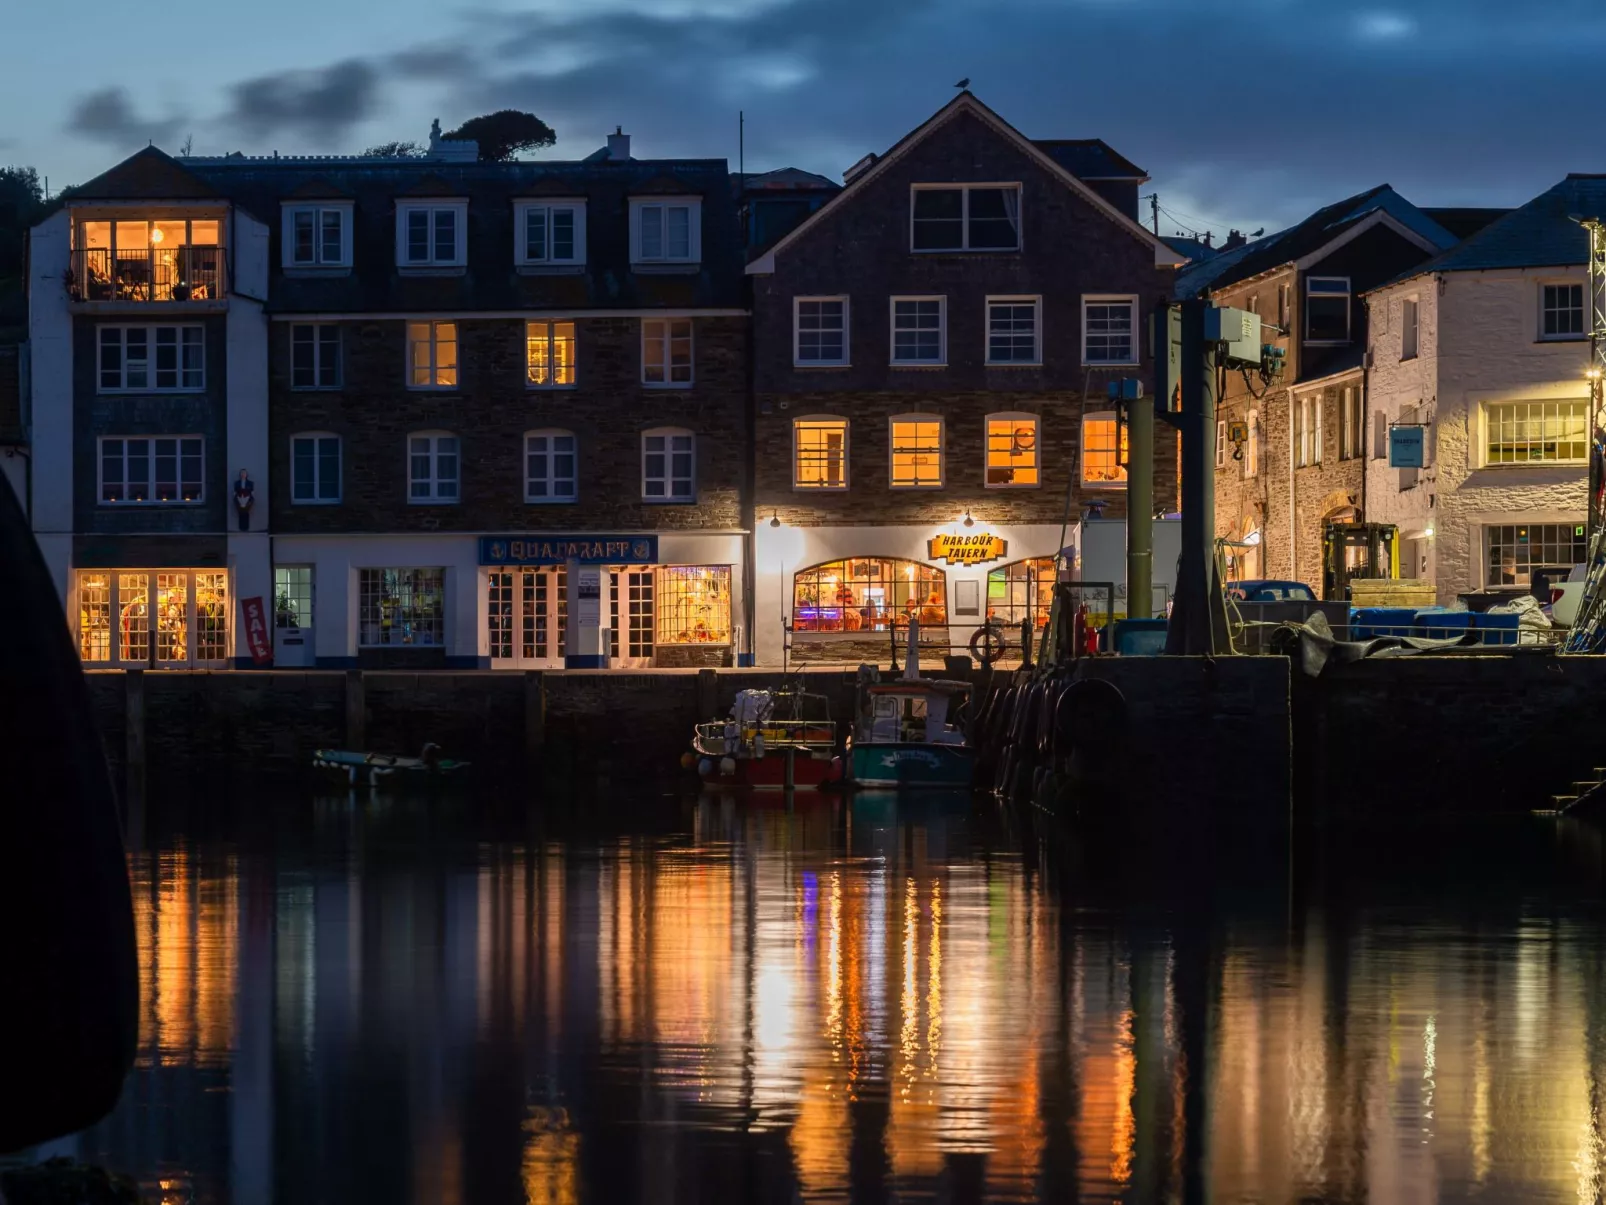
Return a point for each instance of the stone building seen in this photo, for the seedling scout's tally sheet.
(1485, 350)
(492, 414)
(1302, 466)
(934, 345)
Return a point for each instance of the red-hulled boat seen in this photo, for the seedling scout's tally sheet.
(765, 731)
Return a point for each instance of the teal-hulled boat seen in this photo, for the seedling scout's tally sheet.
(905, 735)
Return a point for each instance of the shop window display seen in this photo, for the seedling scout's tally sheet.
(868, 594)
(694, 604)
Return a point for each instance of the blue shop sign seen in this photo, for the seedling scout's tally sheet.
(560, 550)
(1405, 447)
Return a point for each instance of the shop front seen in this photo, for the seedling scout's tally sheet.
(846, 595)
(153, 618)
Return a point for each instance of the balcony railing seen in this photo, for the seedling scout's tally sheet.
(176, 274)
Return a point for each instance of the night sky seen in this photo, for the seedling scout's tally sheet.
(1247, 113)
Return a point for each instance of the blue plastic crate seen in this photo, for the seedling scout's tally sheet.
(1441, 623)
(1498, 629)
(1369, 623)
(1140, 637)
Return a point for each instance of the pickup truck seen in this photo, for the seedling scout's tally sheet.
(1565, 597)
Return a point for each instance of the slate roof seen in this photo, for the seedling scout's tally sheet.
(1464, 222)
(1090, 159)
(147, 175)
(785, 179)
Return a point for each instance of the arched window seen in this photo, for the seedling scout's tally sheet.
(314, 468)
(1103, 450)
(868, 594)
(1012, 451)
(820, 452)
(550, 471)
(432, 467)
(1021, 591)
(668, 465)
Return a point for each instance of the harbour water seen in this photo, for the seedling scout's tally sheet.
(671, 1000)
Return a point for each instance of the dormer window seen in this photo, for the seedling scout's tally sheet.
(550, 233)
(431, 234)
(317, 235)
(667, 230)
(964, 217)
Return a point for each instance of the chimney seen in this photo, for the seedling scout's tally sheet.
(1235, 239)
(619, 144)
(1208, 236)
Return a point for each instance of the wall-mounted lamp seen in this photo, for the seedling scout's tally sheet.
(1428, 534)
(968, 521)
(1593, 373)
(775, 519)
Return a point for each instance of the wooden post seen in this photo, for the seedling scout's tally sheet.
(134, 682)
(707, 694)
(534, 717)
(356, 711)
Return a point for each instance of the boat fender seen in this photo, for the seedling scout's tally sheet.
(758, 744)
(727, 766)
(705, 767)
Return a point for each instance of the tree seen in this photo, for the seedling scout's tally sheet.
(22, 203)
(394, 150)
(503, 134)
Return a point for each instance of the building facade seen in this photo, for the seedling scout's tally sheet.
(1483, 354)
(483, 414)
(934, 345)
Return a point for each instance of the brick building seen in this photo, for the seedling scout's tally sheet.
(933, 349)
(493, 414)
(1303, 466)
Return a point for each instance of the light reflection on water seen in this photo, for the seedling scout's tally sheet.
(732, 1001)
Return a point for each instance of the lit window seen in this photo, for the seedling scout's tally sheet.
(1011, 449)
(152, 358)
(1408, 321)
(820, 331)
(549, 354)
(965, 218)
(1109, 326)
(315, 355)
(916, 452)
(143, 260)
(694, 604)
(666, 351)
(1515, 553)
(1327, 309)
(1534, 432)
(317, 236)
(1104, 448)
(401, 607)
(314, 469)
(1012, 330)
(432, 467)
(430, 236)
(549, 466)
(820, 453)
(668, 466)
(292, 596)
(665, 231)
(1020, 592)
(151, 469)
(189, 613)
(919, 330)
(432, 355)
(551, 232)
(868, 594)
(1561, 311)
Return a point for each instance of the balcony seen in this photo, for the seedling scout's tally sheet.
(156, 274)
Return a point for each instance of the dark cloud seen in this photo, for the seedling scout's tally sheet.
(108, 116)
(319, 105)
(434, 62)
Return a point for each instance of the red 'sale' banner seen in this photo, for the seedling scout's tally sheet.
(257, 636)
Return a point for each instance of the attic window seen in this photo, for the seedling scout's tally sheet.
(431, 235)
(667, 230)
(1327, 306)
(971, 217)
(550, 232)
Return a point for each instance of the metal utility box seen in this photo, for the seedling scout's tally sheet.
(1099, 547)
(1239, 330)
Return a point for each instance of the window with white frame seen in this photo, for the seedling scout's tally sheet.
(1012, 450)
(1221, 443)
(431, 234)
(666, 351)
(549, 466)
(917, 452)
(1408, 330)
(152, 469)
(1109, 330)
(1104, 450)
(820, 453)
(919, 330)
(968, 217)
(1013, 330)
(548, 354)
(151, 359)
(401, 607)
(550, 232)
(1327, 309)
(1252, 448)
(314, 355)
(432, 355)
(668, 465)
(666, 230)
(1515, 552)
(1352, 420)
(1561, 311)
(1535, 432)
(820, 332)
(1308, 431)
(315, 469)
(433, 467)
(317, 236)
(1283, 309)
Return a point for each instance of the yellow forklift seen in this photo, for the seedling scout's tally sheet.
(1357, 550)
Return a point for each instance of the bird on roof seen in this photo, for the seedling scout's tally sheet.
(964, 83)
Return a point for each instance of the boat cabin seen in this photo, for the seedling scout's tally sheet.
(919, 711)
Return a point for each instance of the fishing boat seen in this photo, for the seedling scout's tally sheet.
(369, 768)
(770, 740)
(908, 733)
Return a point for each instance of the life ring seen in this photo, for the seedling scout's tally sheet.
(987, 644)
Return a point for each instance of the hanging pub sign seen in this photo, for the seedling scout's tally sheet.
(1405, 446)
(967, 549)
(559, 550)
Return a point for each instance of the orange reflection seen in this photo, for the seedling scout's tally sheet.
(550, 1169)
